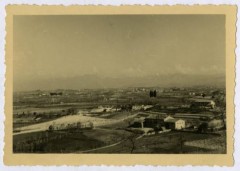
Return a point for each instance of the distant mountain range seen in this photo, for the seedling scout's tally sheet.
(95, 81)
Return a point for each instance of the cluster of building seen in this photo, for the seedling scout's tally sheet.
(168, 122)
(141, 107)
(157, 123)
(101, 109)
(202, 103)
(71, 126)
(162, 122)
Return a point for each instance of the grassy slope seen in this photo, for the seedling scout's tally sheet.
(165, 143)
(71, 142)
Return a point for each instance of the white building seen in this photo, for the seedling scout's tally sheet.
(206, 103)
(175, 124)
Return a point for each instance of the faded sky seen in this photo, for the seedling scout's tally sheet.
(48, 48)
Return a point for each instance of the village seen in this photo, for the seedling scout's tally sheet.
(121, 120)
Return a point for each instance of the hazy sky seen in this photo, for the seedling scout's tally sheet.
(52, 50)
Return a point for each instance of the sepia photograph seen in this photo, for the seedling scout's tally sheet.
(120, 84)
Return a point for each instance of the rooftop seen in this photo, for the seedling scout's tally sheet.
(203, 100)
(154, 116)
(172, 120)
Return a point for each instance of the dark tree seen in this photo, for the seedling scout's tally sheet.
(154, 93)
(129, 141)
(151, 93)
(203, 127)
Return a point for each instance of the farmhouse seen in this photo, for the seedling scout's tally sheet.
(153, 121)
(174, 123)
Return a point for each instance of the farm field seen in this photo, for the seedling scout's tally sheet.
(166, 143)
(65, 141)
